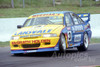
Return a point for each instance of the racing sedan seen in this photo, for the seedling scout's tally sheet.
(52, 31)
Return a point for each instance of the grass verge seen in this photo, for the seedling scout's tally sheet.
(4, 44)
(25, 12)
(93, 40)
(97, 66)
(37, 6)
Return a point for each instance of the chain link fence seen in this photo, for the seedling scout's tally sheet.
(47, 3)
(85, 3)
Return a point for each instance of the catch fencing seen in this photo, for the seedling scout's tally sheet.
(47, 3)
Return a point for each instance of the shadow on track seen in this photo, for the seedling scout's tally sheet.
(45, 54)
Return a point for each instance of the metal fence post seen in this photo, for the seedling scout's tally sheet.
(23, 4)
(80, 3)
(54, 3)
(12, 3)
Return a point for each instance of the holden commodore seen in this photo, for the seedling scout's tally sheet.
(52, 31)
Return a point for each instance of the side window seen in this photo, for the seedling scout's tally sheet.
(68, 20)
(75, 18)
(80, 20)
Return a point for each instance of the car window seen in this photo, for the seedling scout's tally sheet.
(48, 20)
(27, 22)
(75, 18)
(68, 19)
(80, 20)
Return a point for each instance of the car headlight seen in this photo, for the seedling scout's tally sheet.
(49, 35)
(15, 38)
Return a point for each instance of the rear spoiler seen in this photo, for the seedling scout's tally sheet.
(85, 15)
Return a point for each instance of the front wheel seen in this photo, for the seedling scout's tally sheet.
(85, 44)
(62, 45)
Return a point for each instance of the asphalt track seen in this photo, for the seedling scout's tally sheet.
(71, 58)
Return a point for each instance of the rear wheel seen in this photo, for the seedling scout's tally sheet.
(62, 45)
(85, 44)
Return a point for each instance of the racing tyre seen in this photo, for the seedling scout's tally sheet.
(62, 45)
(85, 44)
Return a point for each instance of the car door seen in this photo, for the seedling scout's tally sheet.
(77, 29)
(69, 24)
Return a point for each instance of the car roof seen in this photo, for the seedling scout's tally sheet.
(58, 12)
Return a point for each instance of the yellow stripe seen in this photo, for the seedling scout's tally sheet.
(85, 15)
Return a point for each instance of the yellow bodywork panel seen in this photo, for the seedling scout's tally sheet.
(31, 37)
(52, 41)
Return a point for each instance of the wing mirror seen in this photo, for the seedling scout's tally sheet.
(19, 26)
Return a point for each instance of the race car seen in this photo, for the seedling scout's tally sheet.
(52, 31)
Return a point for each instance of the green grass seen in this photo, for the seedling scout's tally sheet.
(93, 40)
(28, 3)
(41, 3)
(36, 6)
(97, 66)
(4, 44)
(25, 12)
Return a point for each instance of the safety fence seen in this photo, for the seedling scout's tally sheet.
(47, 3)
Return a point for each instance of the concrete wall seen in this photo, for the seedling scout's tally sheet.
(95, 25)
(9, 25)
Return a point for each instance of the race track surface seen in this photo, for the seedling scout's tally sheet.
(71, 58)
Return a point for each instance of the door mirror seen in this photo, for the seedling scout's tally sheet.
(19, 26)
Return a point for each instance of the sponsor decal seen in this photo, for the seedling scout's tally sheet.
(44, 15)
(55, 47)
(69, 35)
(37, 27)
(87, 26)
(77, 44)
(33, 32)
(30, 36)
(31, 51)
(71, 44)
(78, 28)
(31, 41)
(68, 28)
(77, 38)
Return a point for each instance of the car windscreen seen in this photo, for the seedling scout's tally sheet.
(50, 20)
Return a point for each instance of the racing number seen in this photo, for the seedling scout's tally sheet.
(69, 35)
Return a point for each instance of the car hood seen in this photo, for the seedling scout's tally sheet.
(38, 29)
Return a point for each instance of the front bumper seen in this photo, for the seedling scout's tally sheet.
(52, 45)
(32, 51)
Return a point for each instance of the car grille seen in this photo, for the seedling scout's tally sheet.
(30, 45)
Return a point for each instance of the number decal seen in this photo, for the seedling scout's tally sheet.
(69, 36)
